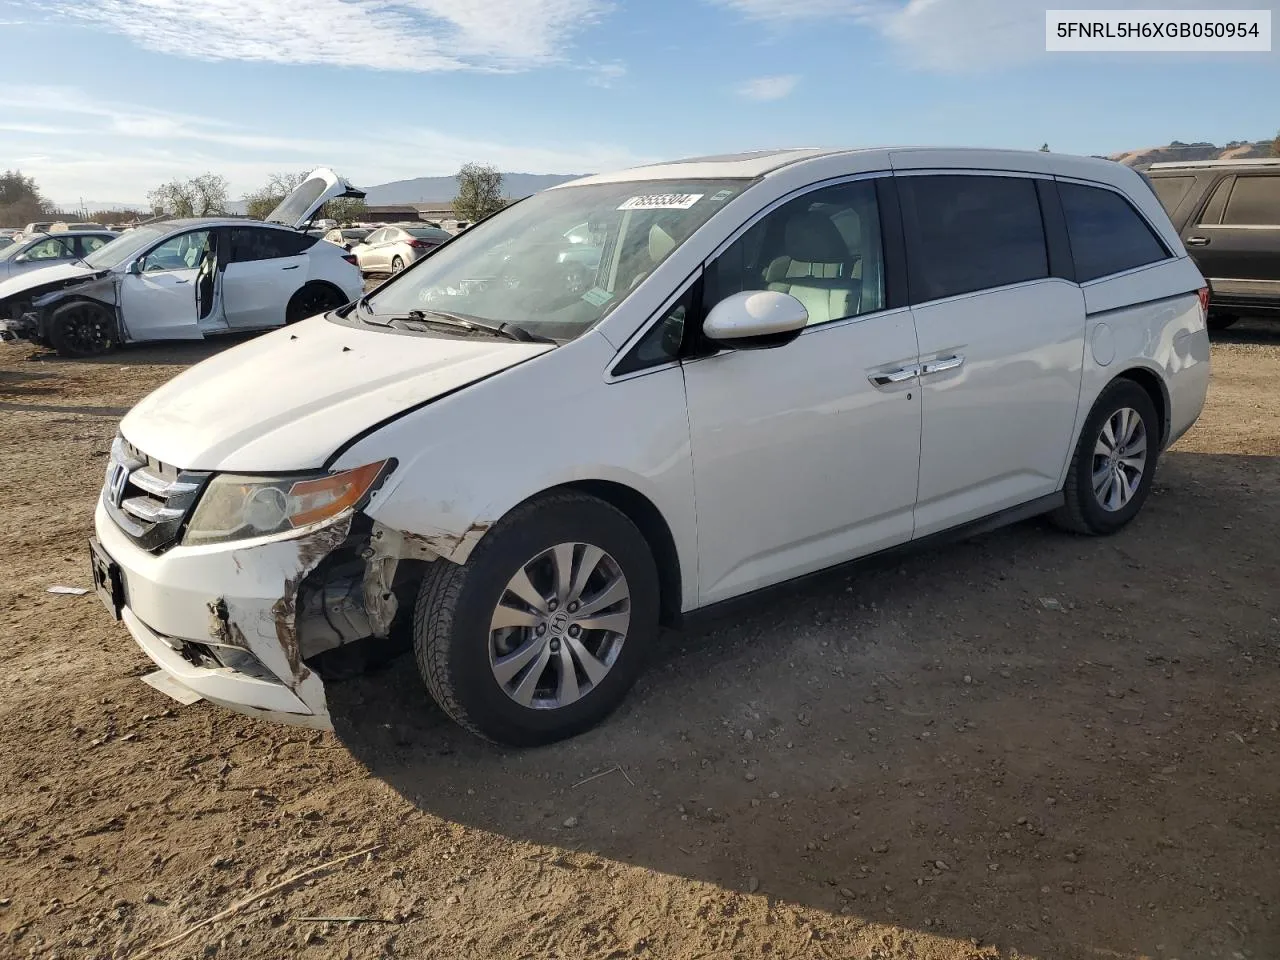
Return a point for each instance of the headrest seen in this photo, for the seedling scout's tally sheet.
(661, 243)
(813, 238)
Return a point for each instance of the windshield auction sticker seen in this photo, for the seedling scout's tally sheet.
(661, 201)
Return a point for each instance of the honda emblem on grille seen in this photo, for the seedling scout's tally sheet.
(115, 486)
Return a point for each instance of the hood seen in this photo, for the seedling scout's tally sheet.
(285, 401)
(43, 279)
(321, 186)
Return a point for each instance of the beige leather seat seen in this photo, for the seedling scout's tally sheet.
(816, 267)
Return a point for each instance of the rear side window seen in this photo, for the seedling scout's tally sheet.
(1212, 213)
(1107, 234)
(1171, 190)
(967, 233)
(1255, 201)
(254, 243)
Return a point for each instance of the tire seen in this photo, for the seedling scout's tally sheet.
(1220, 321)
(82, 329)
(312, 299)
(1118, 499)
(397, 265)
(459, 653)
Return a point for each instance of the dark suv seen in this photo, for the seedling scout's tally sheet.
(1228, 215)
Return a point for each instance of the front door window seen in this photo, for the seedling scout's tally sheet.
(182, 252)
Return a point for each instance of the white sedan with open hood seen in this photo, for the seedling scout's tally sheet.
(187, 279)
(766, 365)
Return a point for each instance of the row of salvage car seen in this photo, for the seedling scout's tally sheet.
(183, 279)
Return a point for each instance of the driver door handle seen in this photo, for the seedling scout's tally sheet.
(176, 282)
(294, 267)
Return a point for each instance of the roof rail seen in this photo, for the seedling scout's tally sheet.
(1250, 162)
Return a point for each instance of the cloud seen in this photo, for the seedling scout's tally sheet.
(409, 35)
(103, 149)
(604, 74)
(782, 11)
(768, 88)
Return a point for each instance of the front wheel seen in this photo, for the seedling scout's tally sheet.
(1114, 462)
(82, 329)
(540, 634)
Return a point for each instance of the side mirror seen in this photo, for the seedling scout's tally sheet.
(134, 269)
(756, 319)
(22, 258)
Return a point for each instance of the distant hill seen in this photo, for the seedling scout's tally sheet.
(424, 189)
(1235, 150)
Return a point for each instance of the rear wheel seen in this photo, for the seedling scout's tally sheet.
(312, 299)
(397, 264)
(540, 634)
(82, 329)
(1111, 472)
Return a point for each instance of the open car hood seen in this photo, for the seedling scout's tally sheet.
(321, 186)
(287, 400)
(55, 277)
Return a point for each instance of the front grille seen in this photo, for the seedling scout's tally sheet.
(147, 499)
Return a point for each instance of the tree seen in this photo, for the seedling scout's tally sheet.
(1275, 146)
(279, 185)
(202, 196)
(1044, 148)
(345, 210)
(479, 192)
(20, 199)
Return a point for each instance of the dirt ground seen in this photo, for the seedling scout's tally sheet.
(1025, 745)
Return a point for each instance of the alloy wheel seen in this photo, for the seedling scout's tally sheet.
(1119, 459)
(85, 330)
(559, 626)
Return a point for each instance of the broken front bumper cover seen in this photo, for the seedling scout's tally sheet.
(195, 609)
(24, 328)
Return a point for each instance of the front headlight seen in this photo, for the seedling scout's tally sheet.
(236, 507)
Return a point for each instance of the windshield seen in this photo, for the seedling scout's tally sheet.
(12, 249)
(125, 247)
(520, 267)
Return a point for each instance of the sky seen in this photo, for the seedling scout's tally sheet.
(101, 100)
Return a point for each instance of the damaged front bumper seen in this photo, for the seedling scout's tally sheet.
(26, 327)
(236, 623)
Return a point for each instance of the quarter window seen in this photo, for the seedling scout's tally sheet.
(1107, 234)
(1255, 201)
(1212, 213)
(967, 233)
(823, 248)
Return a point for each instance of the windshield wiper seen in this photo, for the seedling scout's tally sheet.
(509, 330)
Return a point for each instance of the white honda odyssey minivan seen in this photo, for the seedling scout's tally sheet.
(778, 362)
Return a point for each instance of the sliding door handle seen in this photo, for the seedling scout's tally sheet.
(886, 377)
(1197, 241)
(942, 364)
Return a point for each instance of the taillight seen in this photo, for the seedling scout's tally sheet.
(1203, 294)
(351, 259)
(421, 244)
